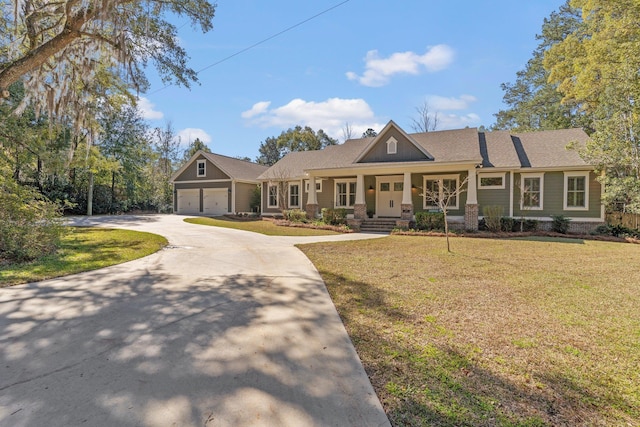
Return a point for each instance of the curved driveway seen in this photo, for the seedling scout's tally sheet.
(221, 328)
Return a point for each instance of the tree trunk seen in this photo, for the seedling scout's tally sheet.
(113, 189)
(446, 230)
(90, 195)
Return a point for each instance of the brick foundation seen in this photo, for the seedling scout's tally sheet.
(354, 224)
(471, 217)
(312, 210)
(360, 211)
(407, 211)
(403, 223)
(575, 227)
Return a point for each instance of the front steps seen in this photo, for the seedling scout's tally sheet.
(379, 225)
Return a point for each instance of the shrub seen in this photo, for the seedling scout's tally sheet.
(430, 220)
(560, 224)
(492, 217)
(334, 216)
(30, 225)
(507, 224)
(295, 215)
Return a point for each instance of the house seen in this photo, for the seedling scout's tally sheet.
(532, 175)
(212, 184)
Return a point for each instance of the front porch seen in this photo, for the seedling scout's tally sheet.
(392, 197)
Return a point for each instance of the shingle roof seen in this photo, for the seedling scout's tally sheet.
(549, 148)
(451, 145)
(236, 168)
(499, 149)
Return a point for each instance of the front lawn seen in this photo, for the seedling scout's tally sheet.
(84, 249)
(259, 226)
(520, 332)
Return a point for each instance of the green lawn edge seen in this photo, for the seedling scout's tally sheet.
(539, 331)
(84, 249)
(267, 228)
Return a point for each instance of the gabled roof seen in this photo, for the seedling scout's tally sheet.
(235, 169)
(382, 136)
(497, 149)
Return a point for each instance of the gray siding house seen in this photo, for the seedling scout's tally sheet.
(212, 184)
(530, 174)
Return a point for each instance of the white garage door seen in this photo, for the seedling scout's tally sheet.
(215, 201)
(189, 201)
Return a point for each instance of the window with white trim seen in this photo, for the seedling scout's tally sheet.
(294, 195)
(318, 186)
(576, 190)
(438, 188)
(491, 181)
(345, 193)
(202, 167)
(531, 191)
(392, 146)
(272, 201)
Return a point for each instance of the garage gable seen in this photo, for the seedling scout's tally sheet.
(194, 170)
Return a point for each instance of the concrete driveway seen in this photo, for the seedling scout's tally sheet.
(221, 328)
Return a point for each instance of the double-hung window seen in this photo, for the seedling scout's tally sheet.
(273, 196)
(576, 190)
(345, 193)
(294, 195)
(437, 188)
(531, 191)
(202, 167)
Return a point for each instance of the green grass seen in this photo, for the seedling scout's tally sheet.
(84, 249)
(526, 332)
(260, 226)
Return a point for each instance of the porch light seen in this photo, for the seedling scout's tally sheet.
(371, 188)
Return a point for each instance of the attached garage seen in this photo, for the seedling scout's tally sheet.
(215, 201)
(212, 185)
(188, 201)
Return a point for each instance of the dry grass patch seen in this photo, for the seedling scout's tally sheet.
(259, 226)
(520, 332)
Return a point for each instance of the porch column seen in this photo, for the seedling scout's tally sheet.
(407, 203)
(312, 200)
(360, 206)
(471, 208)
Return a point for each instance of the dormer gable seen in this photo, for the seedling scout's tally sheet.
(393, 144)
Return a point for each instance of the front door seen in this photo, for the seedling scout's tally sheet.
(389, 196)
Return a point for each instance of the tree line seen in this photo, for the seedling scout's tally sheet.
(72, 139)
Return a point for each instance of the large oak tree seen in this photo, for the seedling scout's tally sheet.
(59, 49)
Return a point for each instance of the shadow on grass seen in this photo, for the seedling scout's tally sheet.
(568, 239)
(423, 380)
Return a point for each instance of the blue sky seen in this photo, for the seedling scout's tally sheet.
(364, 63)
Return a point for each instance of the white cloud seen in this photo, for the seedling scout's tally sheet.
(439, 103)
(330, 115)
(455, 121)
(257, 109)
(188, 135)
(147, 109)
(378, 71)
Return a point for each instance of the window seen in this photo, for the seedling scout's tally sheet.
(273, 196)
(202, 167)
(531, 191)
(294, 195)
(491, 181)
(576, 190)
(345, 194)
(438, 188)
(392, 146)
(318, 186)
